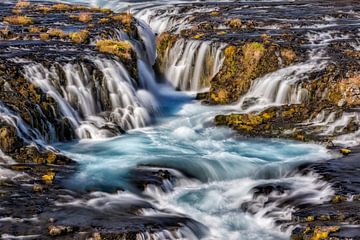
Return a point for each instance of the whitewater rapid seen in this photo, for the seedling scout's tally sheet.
(224, 169)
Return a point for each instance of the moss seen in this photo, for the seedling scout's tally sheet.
(338, 199)
(44, 36)
(244, 122)
(80, 37)
(215, 13)
(198, 36)
(241, 66)
(18, 20)
(49, 177)
(22, 4)
(346, 90)
(43, 8)
(345, 151)
(164, 43)
(125, 18)
(323, 232)
(61, 7)
(34, 29)
(122, 49)
(310, 219)
(85, 17)
(104, 20)
(56, 32)
(235, 23)
(288, 55)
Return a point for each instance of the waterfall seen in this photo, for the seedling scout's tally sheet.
(98, 102)
(284, 86)
(191, 64)
(24, 131)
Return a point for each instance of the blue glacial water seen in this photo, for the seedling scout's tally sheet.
(216, 168)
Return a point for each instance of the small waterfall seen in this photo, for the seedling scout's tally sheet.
(191, 64)
(96, 103)
(24, 131)
(284, 86)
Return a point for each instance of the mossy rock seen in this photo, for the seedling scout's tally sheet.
(242, 65)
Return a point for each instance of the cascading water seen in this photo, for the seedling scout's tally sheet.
(191, 64)
(95, 106)
(284, 85)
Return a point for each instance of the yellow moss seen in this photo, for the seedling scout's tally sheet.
(43, 8)
(345, 151)
(22, 4)
(323, 232)
(267, 115)
(44, 36)
(49, 177)
(85, 17)
(288, 113)
(51, 158)
(34, 29)
(230, 51)
(61, 7)
(198, 36)
(288, 55)
(121, 49)
(124, 18)
(5, 31)
(56, 32)
(16, 11)
(235, 23)
(310, 219)
(80, 37)
(104, 20)
(347, 90)
(338, 199)
(18, 20)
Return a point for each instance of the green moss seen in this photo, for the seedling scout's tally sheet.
(164, 42)
(242, 65)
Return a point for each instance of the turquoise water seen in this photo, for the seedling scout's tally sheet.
(216, 169)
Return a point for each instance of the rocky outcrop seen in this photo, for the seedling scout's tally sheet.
(242, 65)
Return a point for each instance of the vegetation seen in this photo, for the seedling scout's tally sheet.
(124, 18)
(122, 49)
(80, 37)
(22, 4)
(85, 17)
(18, 20)
(56, 32)
(61, 7)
